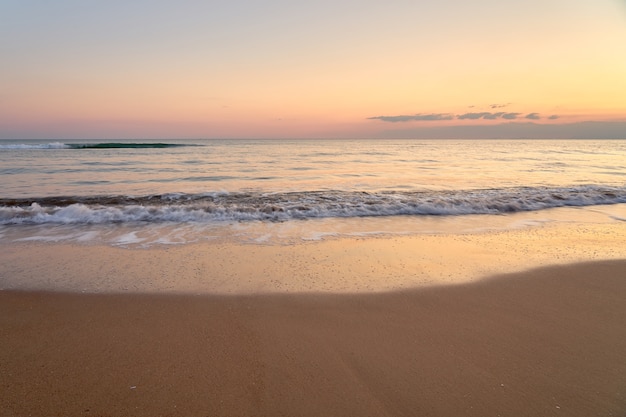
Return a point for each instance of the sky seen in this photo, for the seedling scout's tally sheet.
(73, 69)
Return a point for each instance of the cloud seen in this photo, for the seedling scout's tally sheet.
(488, 116)
(514, 130)
(484, 115)
(499, 106)
(473, 116)
(415, 117)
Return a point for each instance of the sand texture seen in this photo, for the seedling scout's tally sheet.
(549, 342)
(331, 266)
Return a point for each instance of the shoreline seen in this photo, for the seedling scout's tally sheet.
(543, 342)
(342, 265)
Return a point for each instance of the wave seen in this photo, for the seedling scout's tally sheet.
(228, 207)
(104, 145)
(117, 145)
(53, 145)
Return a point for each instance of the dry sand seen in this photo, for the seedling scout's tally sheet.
(549, 342)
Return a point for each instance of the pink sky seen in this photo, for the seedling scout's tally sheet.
(315, 69)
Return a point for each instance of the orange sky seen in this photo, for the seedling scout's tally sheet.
(316, 69)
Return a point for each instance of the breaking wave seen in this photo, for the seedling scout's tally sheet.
(228, 207)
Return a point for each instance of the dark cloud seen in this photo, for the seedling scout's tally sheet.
(415, 117)
(499, 106)
(510, 116)
(554, 117)
(533, 116)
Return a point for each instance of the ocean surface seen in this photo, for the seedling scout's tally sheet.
(143, 193)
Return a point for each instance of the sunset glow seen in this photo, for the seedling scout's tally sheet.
(241, 70)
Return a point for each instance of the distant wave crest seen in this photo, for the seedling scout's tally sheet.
(104, 145)
(226, 207)
(118, 145)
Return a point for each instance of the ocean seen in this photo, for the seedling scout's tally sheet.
(142, 193)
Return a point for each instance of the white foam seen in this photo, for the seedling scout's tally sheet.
(88, 236)
(53, 145)
(127, 239)
(219, 208)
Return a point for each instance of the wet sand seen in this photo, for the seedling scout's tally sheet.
(545, 342)
(346, 265)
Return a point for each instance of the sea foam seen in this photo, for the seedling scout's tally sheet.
(228, 207)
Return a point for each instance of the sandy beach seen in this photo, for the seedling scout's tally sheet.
(542, 342)
(547, 342)
(320, 208)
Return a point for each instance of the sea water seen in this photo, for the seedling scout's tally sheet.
(144, 193)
